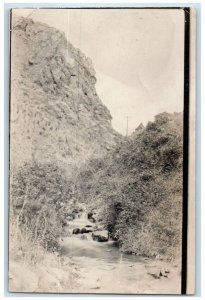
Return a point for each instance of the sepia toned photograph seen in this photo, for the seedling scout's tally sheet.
(99, 120)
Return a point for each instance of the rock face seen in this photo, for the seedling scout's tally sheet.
(100, 236)
(137, 131)
(56, 113)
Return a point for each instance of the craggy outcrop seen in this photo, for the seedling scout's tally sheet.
(56, 113)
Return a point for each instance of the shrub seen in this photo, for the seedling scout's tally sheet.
(139, 189)
(38, 193)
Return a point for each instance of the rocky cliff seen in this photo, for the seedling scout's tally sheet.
(56, 113)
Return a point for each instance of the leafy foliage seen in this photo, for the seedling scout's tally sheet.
(37, 192)
(138, 188)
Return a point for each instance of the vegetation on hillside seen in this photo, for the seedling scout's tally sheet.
(41, 199)
(138, 189)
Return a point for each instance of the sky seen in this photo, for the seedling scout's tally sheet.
(138, 56)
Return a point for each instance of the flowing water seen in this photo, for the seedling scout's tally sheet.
(82, 245)
(103, 268)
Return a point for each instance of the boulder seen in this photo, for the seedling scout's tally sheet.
(85, 230)
(100, 236)
(76, 231)
(90, 214)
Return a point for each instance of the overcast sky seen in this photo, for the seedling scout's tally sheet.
(137, 55)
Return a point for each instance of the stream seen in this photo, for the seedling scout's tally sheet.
(83, 246)
(104, 269)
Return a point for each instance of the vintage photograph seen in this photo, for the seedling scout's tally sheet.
(96, 150)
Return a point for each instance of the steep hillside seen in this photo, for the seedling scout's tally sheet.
(138, 189)
(56, 113)
(57, 123)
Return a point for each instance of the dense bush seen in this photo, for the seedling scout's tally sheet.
(39, 195)
(138, 189)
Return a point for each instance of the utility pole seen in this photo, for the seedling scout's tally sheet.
(127, 126)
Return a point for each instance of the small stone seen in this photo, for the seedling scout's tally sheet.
(76, 231)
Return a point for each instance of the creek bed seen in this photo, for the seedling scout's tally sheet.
(104, 269)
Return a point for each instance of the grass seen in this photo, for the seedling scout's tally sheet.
(31, 267)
